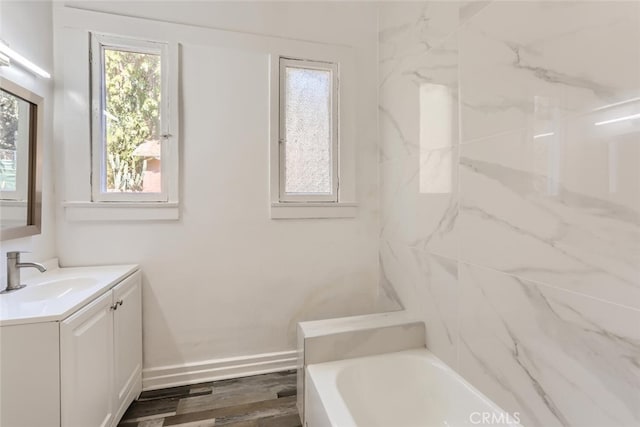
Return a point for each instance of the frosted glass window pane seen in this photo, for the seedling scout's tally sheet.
(308, 131)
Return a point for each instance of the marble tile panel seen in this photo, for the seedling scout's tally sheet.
(400, 267)
(324, 327)
(563, 57)
(418, 108)
(364, 342)
(420, 204)
(409, 30)
(438, 297)
(563, 209)
(469, 9)
(429, 284)
(556, 357)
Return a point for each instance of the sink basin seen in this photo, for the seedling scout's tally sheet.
(54, 295)
(57, 288)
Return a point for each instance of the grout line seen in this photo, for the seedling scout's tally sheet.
(548, 285)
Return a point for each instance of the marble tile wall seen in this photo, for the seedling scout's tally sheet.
(510, 197)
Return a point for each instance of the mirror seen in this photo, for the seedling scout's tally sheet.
(20, 161)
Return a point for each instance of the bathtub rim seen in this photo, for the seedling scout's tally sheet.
(323, 377)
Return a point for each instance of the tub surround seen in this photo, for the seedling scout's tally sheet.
(515, 234)
(322, 328)
(356, 336)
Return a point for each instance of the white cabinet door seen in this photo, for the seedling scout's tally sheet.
(127, 331)
(86, 364)
(30, 375)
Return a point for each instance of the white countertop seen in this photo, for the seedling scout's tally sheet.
(59, 292)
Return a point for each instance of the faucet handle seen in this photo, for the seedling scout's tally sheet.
(16, 254)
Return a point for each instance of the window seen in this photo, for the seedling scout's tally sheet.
(133, 150)
(308, 131)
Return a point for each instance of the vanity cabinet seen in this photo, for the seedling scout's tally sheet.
(101, 357)
(81, 371)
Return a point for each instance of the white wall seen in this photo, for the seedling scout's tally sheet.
(513, 227)
(34, 41)
(225, 280)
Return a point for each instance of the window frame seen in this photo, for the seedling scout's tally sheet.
(98, 44)
(334, 69)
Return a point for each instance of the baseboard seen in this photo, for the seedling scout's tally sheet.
(217, 369)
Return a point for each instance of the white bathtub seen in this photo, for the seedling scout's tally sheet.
(405, 389)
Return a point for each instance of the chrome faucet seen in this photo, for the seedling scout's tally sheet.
(13, 271)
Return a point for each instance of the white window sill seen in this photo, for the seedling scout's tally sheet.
(13, 203)
(121, 211)
(294, 210)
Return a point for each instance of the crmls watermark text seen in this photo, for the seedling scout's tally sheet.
(494, 418)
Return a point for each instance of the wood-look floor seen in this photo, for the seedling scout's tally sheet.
(260, 401)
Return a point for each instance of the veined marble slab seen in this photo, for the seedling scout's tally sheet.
(526, 270)
(419, 130)
(411, 29)
(324, 327)
(430, 286)
(519, 57)
(562, 209)
(438, 298)
(557, 357)
(418, 108)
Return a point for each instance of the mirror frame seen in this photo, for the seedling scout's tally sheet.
(34, 197)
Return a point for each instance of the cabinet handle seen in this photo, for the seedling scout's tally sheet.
(120, 302)
(114, 306)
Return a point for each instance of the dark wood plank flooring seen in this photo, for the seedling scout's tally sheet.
(267, 400)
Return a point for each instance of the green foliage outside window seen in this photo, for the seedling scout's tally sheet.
(132, 110)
